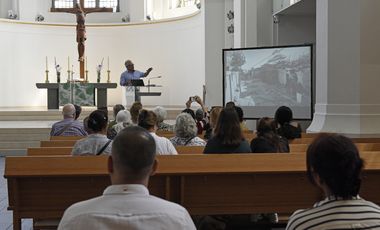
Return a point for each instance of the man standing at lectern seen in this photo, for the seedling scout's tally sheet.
(127, 76)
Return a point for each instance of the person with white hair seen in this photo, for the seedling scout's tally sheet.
(123, 120)
(186, 132)
(68, 126)
(161, 116)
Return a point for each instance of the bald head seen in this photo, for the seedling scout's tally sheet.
(133, 152)
(68, 111)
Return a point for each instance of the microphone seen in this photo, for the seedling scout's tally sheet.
(155, 77)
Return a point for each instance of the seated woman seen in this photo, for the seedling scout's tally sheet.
(214, 115)
(148, 120)
(186, 132)
(135, 110)
(286, 127)
(123, 120)
(97, 142)
(334, 165)
(161, 116)
(267, 140)
(228, 136)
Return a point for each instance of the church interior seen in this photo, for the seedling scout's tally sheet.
(187, 52)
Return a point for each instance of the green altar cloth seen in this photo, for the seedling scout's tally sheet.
(77, 93)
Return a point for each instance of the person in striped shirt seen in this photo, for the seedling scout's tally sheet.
(334, 165)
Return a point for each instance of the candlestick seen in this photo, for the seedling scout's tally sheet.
(109, 76)
(47, 63)
(108, 63)
(86, 63)
(68, 75)
(86, 79)
(47, 76)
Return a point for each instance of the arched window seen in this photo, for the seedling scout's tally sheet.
(59, 4)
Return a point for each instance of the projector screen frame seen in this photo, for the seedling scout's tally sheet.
(309, 45)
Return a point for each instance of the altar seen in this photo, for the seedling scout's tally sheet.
(77, 93)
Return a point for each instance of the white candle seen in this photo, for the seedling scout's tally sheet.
(108, 62)
(86, 63)
(46, 63)
(68, 63)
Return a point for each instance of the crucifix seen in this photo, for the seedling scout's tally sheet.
(81, 13)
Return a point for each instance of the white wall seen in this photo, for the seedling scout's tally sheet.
(174, 49)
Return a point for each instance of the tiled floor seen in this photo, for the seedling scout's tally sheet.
(5, 215)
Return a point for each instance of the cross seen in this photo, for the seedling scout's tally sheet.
(81, 13)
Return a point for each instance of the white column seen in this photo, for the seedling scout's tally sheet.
(348, 68)
(136, 10)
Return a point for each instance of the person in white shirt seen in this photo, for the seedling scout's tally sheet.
(148, 120)
(126, 204)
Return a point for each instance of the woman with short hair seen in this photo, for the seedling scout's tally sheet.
(228, 136)
(334, 165)
(161, 116)
(97, 142)
(148, 120)
(186, 132)
(135, 110)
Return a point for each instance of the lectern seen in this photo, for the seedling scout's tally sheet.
(138, 94)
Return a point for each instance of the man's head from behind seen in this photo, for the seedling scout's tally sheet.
(133, 157)
(68, 111)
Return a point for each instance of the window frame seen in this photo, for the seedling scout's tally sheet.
(97, 3)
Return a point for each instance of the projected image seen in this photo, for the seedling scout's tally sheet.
(268, 77)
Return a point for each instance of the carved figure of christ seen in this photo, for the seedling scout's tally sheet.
(81, 12)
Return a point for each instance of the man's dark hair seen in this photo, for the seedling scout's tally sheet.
(117, 108)
(134, 150)
(147, 119)
(189, 111)
(335, 159)
(78, 111)
(240, 113)
(98, 120)
(283, 115)
(228, 128)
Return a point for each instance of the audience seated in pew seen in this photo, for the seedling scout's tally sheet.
(135, 110)
(228, 136)
(286, 127)
(123, 120)
(214, 115)
(334, 165)
(97, 142)
(161, 116)
(267, 140)
(148, 120)
(126, 204)
(68, 126)
(186, 132)
(116, 108)
(78, 111)
(202, 119)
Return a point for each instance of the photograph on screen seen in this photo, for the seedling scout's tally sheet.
(261, 80)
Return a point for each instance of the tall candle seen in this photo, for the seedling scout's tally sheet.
(46, 63)
(86, 62)
(108, 63)
(68, 63)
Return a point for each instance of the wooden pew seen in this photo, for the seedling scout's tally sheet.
(68, 143)
(49, 151)
(190, 149)
(43, 187)
(65, 138)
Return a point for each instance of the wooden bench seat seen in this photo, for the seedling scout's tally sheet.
(43, 187)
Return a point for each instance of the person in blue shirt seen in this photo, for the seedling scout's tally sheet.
(131, 74)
